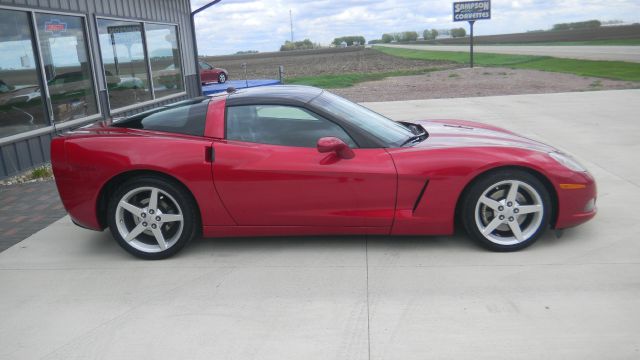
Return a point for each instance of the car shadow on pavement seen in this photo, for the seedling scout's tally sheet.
(74, 246)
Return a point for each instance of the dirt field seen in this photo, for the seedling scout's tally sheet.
(453, 82)
(317, 62)
(465, 82)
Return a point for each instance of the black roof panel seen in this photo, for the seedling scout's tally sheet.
(274, 94)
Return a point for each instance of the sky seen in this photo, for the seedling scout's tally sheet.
(237, 25)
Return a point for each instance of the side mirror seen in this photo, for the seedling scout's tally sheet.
(333, 144)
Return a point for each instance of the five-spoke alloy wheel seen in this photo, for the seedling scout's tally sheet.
(151, 218)
(506, 210)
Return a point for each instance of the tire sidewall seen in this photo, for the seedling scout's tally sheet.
(486, 181)
(181, 196)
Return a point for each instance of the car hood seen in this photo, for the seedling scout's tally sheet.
(461, 133)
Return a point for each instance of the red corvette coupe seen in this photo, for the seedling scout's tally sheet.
(295, 160)
(209, 74)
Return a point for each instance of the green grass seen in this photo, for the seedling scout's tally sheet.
(618, 70)
(347, 80)
(40, 173)
(458, 56)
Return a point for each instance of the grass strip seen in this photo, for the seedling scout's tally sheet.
(333, 81)
(617, 70)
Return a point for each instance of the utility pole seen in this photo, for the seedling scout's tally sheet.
(291, 23)
(471, 42)
(195, 41)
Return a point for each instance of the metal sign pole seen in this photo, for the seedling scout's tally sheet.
(471, 41)
(471, 11)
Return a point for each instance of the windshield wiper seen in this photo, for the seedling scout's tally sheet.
(415, 138)
(420, 134)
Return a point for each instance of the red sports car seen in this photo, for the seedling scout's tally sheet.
(295, 160)
(209, 74)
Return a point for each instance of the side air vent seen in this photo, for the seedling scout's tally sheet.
(415, 206)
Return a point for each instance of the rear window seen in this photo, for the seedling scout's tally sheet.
(186, 117)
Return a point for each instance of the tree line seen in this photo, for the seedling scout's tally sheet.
(428, 34)
(349, 40)
(305, 44)
(590, 24)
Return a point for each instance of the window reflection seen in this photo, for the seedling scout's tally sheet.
(124, 62)
(21, 107)
(164, 55)
(67, 66)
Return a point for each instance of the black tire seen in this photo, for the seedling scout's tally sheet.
(477, 215)
(169, 192)
(222, 78)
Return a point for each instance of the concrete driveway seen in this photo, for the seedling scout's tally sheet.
(586, 52)
(69, 293)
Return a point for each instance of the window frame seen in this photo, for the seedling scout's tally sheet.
(304, 108)
(153, 99)
(89, 48)
(42, 79)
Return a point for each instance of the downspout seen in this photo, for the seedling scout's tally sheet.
(195, 42)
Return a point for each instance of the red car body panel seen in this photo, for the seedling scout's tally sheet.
(249, 189)
(86, 163)
(279, 185)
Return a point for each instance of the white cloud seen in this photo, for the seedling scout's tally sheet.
(234, 25)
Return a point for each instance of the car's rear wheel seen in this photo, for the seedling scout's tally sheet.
(222, 78)
(152, 218)
(506, 210)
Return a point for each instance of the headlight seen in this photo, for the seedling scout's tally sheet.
(567, 161)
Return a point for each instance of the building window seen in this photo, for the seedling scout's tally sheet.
(141, 61)
(21, 107)
(124, 61)
(67, 66)
(164, 57)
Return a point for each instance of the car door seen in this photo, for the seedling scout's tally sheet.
(269, 172)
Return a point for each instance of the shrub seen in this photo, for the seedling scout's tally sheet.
(430, 34)
(459, 32)
(349, 40)
(298, 45)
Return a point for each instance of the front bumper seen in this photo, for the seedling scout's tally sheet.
(576, 200)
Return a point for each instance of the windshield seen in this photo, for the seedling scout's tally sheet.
(390, 132)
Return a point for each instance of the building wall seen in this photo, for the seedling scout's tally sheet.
(19, 153)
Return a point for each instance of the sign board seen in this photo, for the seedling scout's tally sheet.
(126, 34)
(55, 27)
(472, 10)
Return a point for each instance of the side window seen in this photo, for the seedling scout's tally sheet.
(187, 117)
(280, 125)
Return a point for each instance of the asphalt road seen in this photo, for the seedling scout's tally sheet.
(587, 52)
(69, 293)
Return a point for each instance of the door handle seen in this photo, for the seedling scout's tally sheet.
(209, 154)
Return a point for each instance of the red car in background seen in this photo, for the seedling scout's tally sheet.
(297, 160)
(209, 74)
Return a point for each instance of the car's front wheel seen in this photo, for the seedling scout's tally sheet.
(506, 210)
(152, 218)
(222, 78)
